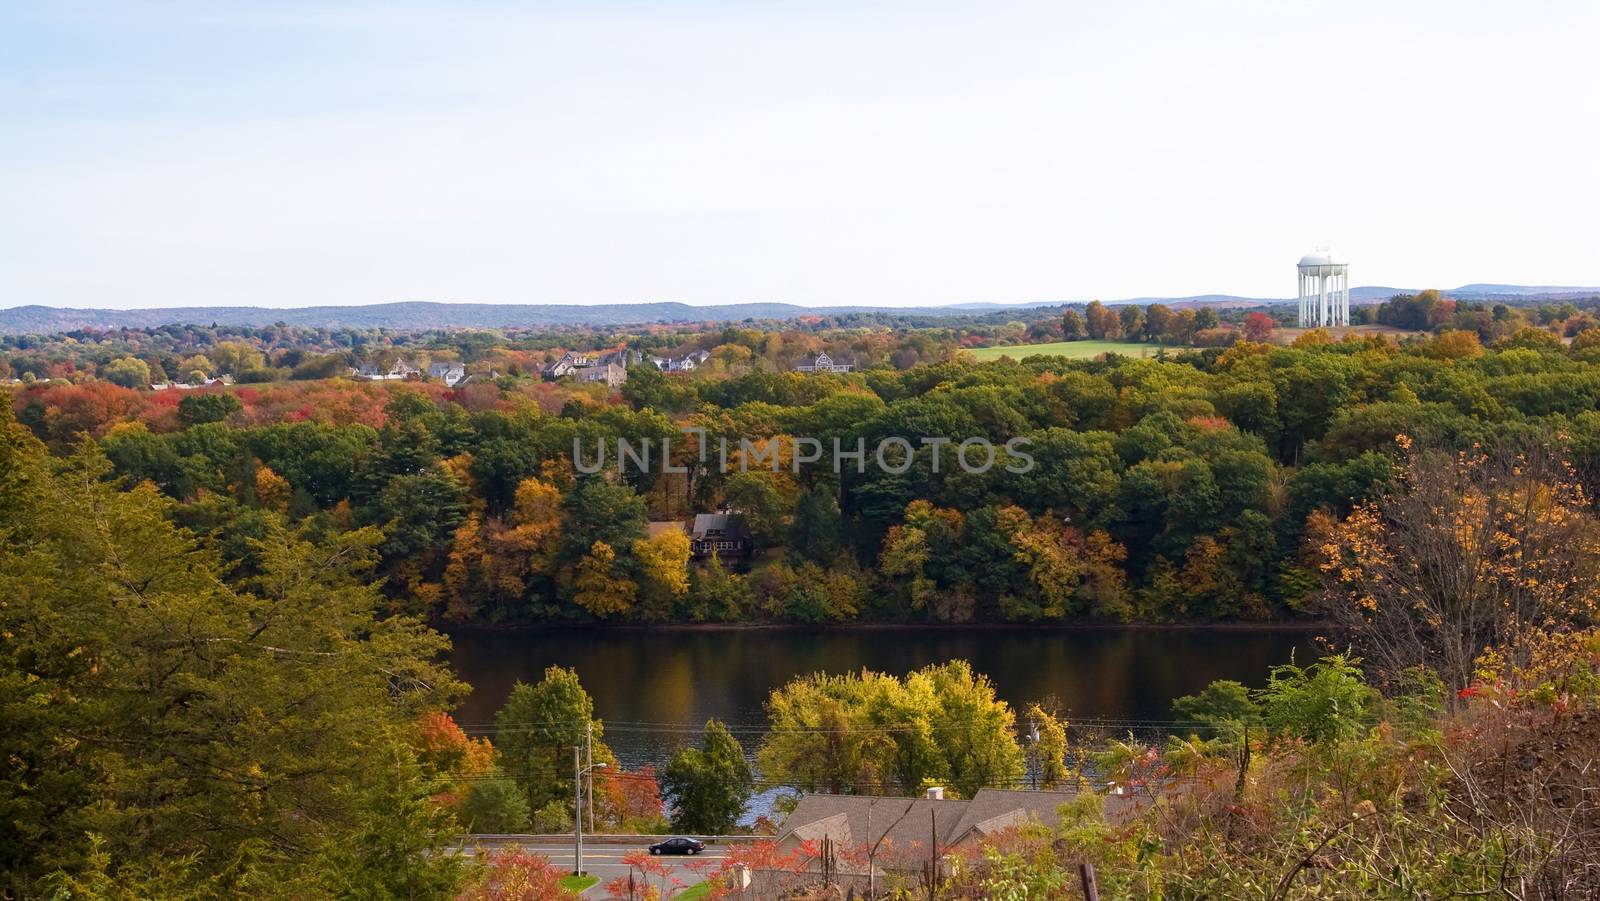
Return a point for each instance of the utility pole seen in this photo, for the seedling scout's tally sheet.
(588, 761)
(872, 852)
(578, 772)
(577, 813)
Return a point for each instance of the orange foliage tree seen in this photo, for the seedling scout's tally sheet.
(443, 748)
(1469, 554)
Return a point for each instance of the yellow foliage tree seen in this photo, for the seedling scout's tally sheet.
(601, 589)
(492, 562)
(663, 568)
(1067, 568)
(272, 490)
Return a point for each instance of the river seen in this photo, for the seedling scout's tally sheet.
(654, 688)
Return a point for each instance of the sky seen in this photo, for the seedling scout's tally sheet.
(596, 151)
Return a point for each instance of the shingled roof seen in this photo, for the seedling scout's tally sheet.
(908, 822)
(904, 821)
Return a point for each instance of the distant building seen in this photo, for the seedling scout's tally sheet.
(612, 374)
(451, 374)
(186, 386)
(821, 362)
(901, 829)
(622, 356)
(595, 367)
(1324, 289)
(402, 369)
(564, 366)
(687, 364)
(722, 534)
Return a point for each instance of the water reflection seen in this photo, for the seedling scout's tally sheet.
(678, 676)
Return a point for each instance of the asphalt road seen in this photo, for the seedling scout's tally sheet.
(605, 861)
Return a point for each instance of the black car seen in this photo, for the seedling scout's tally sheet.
(678, 846)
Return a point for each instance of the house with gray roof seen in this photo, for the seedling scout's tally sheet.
(451, 374)
(723, 534)
(898, 835)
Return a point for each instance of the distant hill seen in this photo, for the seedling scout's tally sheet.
(416, 316)
(421, 315)
(1550, 291)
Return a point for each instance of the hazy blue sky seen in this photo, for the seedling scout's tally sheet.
(287, 154)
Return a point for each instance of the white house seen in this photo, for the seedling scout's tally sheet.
(821, 362)
(451, 374)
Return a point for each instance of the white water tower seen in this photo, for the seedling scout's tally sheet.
(1324, 289)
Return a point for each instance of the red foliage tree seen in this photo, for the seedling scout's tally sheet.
(1258, 327)
(516, 876)
(623, 796)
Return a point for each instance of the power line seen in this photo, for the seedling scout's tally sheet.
(644, 727)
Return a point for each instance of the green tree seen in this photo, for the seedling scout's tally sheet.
(394, 851)
(494, 805)
(597, 510)
(235, 357)
(765, 500)
(871, 732)
(1224, 710)
(196, 409)
(251, 726)
(536, 731)
(709, 786)
(1049, 737)
(1326, 701)
(818, 531)
(129, 372)
(715, 594)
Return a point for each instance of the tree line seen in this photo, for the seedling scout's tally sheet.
(1190, 488)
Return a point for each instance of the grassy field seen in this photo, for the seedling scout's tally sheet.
(577, 884)
(1077, 350)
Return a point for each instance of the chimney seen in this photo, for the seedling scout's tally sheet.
(936, 793)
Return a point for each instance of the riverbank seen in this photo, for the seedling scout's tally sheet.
(1297, 626)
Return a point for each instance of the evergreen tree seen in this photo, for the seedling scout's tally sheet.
(818, 531)
(239, 734)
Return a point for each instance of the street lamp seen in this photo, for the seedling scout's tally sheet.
(578, 772)
(1033, 751)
